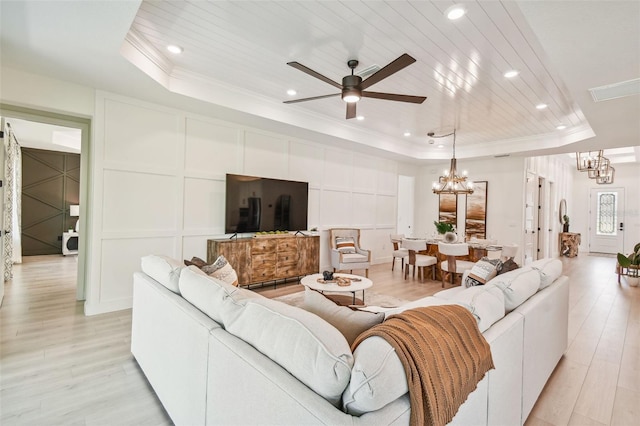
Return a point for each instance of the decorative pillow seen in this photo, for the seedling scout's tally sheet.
(508, 265)
(222, 270)
(195, 261)
(345, 245)
(163, 269)
(349, 322)
(302, 343)
(483, 271)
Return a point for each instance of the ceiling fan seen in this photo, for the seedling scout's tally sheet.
(353, 87)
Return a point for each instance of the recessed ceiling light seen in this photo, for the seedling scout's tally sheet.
(511, 73)
(440, 146)
(360, 117)
(541, 106)
(455, 12)
(176, 50)
(407, 133)
(561, 127)
(291, 92)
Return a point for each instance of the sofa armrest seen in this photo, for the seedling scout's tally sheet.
(364, 253)
(336, 257)
(169, 339)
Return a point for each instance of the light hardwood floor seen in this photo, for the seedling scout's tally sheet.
(59, 367)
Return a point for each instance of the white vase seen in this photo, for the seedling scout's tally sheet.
(450, 237)
(633, 281)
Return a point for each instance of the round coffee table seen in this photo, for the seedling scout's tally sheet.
(311, 281)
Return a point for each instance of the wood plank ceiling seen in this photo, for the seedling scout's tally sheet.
(244, 46)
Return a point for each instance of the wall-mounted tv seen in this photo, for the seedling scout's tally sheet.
(255, 204)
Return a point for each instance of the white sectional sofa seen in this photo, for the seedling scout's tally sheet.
(232, 357)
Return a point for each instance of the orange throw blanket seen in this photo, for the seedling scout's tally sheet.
(444, 357)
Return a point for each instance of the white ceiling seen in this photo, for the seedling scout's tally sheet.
(235, 56)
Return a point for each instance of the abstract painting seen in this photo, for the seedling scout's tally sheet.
(448, 209)
(476, 213)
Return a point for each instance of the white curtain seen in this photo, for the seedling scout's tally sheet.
(13, 204)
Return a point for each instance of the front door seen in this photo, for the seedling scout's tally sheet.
(606, 220)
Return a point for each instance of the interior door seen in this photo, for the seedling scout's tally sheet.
(530, 219)
(406, 186)
(606, 220)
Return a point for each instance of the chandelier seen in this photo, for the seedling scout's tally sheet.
(450, 182)
(607, 177)
(588, 161)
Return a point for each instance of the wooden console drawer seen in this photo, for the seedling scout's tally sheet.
(263, 245)
(287, 245)
(288, 270)
(263, 272)
(263, 259)
(290, 258)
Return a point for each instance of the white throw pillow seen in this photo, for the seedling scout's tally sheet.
(348, 321)
(549, 269)
(163, 269)
(517, 285)
(219, 300)
(304, 344)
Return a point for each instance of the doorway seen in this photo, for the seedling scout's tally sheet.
(404, 223)
(11, 112)
(542, 219)
(606, 220)
(530, 218)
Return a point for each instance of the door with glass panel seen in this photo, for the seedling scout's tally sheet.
(606, 220)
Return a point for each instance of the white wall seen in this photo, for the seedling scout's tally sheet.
(504, 178)
(158, 180)
(628, 177)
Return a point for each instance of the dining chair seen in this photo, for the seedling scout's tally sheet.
(398, 252)
(453, 266)
(417, 260)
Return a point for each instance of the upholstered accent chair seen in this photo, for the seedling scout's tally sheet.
(346, 253)
(451, 267)
(417, 260)
(398, 252)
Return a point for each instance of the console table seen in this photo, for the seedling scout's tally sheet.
(569, 242)
(268, 258)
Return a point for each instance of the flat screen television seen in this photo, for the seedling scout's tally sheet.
(255, 204)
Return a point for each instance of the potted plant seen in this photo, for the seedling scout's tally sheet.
(565, 223)
(632, 263)
(443, 227)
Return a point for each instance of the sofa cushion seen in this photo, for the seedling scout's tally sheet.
(163, 269)
(486, 303)
(549, 269)
(483, 270)
(348, 321)
(354, 258)
(304, 344)
(377, 377)
(219, 300)
(517, 286)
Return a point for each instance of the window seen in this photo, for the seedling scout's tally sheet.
(607, 215)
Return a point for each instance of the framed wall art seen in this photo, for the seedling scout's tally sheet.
(448, 208)
(476, 212)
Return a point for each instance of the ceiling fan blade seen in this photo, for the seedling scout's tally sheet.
(394, 97)
(351, 110)
(311, 99)
(312, 73)
(391, 68)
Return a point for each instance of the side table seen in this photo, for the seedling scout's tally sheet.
(569, 242)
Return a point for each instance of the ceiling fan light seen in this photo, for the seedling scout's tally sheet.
(350, 95)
